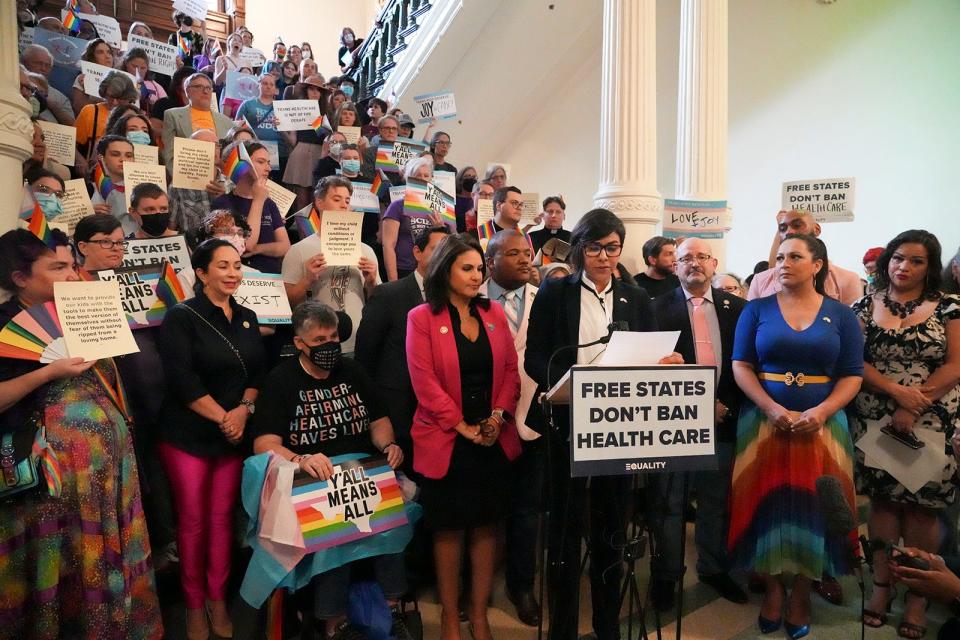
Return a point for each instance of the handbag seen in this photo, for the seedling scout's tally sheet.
(25, 458)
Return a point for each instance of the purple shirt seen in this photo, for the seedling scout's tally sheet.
(270, 221)
(409, 227)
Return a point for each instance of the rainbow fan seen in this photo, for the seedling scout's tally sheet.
(34, 334)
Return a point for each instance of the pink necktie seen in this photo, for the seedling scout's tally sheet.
(701, 334)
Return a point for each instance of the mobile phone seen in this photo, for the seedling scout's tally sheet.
(907, 439)
(899, 555)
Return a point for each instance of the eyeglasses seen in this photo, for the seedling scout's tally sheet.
(516, 204)
(388, 129)
(109, 244)
(731, 288)
(203, 88)
(42, 188)
(700, 258)
(445, 142)
(593, 249)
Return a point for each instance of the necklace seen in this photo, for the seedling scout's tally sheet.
(904, 309)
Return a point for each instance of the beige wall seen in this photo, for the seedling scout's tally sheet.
(315, 21)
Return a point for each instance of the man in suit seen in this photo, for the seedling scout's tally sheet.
(510, 263)
(382, 336)
(183, 121)
(707, 320)
(567, 312)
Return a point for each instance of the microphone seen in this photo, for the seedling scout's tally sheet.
(618, 325)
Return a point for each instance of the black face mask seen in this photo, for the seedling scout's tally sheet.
(327, 356)
(469, 184)
(155, 224)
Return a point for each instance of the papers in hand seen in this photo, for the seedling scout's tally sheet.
(632, 348)
(913, 468)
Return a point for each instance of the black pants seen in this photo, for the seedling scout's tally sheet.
(579, 507)
(522, 523)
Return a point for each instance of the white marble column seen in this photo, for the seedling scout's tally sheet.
(628, 122)
(16, 130)
(702, 105)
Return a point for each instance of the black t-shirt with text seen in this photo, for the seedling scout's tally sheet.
(330, 416)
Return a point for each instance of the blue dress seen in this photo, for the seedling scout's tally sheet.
(775, 523)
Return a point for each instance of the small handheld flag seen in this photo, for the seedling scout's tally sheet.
(309, 225)
(102, 181)
(169, 290)
(235, 164)
(317, 124)
(183, 47)
(377, 181)
(72, 21)
(32, 213)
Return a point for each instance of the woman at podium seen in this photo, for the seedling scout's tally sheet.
(798, 356)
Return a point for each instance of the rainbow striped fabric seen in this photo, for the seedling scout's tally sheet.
(424, 198)
(317, 124)
(72, 21)
(237, 163)
(362, 499)
(32, 213)
(183, 47)
(486, 230)
(168, 288)
(308, 224)
(102, 181)
(377, 181)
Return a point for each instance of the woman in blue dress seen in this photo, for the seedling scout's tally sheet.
(798, 356)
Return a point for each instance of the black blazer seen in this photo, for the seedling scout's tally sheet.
(555, 321)
(381, 346)
(672, 315)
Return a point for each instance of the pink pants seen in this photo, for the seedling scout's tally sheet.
(205, 491)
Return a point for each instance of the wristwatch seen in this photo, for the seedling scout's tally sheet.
(251, 407)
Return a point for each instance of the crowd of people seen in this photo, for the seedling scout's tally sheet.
(440, 338)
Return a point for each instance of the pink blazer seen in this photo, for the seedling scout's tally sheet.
(435, 373)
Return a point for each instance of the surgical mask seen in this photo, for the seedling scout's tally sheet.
(51, 205)
(139, 137)
(335, 149)
(350, 166)
(155, 224)
(347, 90)
(348, 39)
(238, 242)
(327, 356)
(469, 183)
(306, 54)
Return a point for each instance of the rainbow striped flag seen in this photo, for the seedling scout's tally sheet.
(486, 231)
(377, 181)
(237, 163)
(425, 198)
(318, 123)
(361, 499)
(72, 21)
(183, 47)
(102, 181)
(308, 224)
(36, 219)
(168, 288)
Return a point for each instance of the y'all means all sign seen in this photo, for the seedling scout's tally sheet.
(829, 200)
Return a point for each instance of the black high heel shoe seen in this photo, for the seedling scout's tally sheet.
(881, 617)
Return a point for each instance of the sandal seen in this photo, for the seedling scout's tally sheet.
(881, 617)
(910, 630)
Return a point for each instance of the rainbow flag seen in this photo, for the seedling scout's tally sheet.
(102, 181)
(72, 21)
(486, 231)
(237, 163)
(32, 213)
(377, 181)
(362, 499)
(183, 47)
(424, 198)
(309, 224)
(318, 123)
(168, 288)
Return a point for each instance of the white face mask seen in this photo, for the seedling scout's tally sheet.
(237, 241)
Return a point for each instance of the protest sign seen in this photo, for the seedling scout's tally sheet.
(146, 153)
(162, 56)
(135, 173)
(66, 50)
(392, 156)
(251, 57)
(61, 141)
(281, 196)
(150, 251)
(531, 208)
(296, 115)
(638, 419)
(352, 134)
(424, 199)
(362, 498)
(340, 237)
(363, 199)
(241, 86)
(266, 295)
(75, 202)
(138, 293)
(26, 38)
(829, 200)
(398, 192)
(91, 316)
(107, 27)
(93, 73)
(193, 163)
(446, 180)
(273, 149)
(435, 106)
(694, 218)
(194, 8)
(484, 211)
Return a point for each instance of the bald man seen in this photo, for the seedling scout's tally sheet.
(841, 284)
(188, 207)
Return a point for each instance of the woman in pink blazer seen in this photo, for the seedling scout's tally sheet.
(464, 370)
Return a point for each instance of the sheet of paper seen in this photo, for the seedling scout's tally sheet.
(107, 27)
(26, 38)
(138, 293)
(135, 173)
(398, 192)
(446, 180)
(66, 50)
(147, 251)
(484, 211)
(340, 237)
(251, 57)
(531, 207)
(193, 163)
(146, 153)
(241, 86)
(281, 196)
(162, 56)
(352, 134)
(266, 295)
(435, 106)
(630, 348)
(92, 75)
(363, 199)
(61, 141)
(296, 115)
(76, 204)
(828, 199)
(193, 8)
(92, 318)
(912, 468)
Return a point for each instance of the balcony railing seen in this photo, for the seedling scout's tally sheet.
(398, 20)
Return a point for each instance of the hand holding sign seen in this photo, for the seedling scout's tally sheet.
(435, 106)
